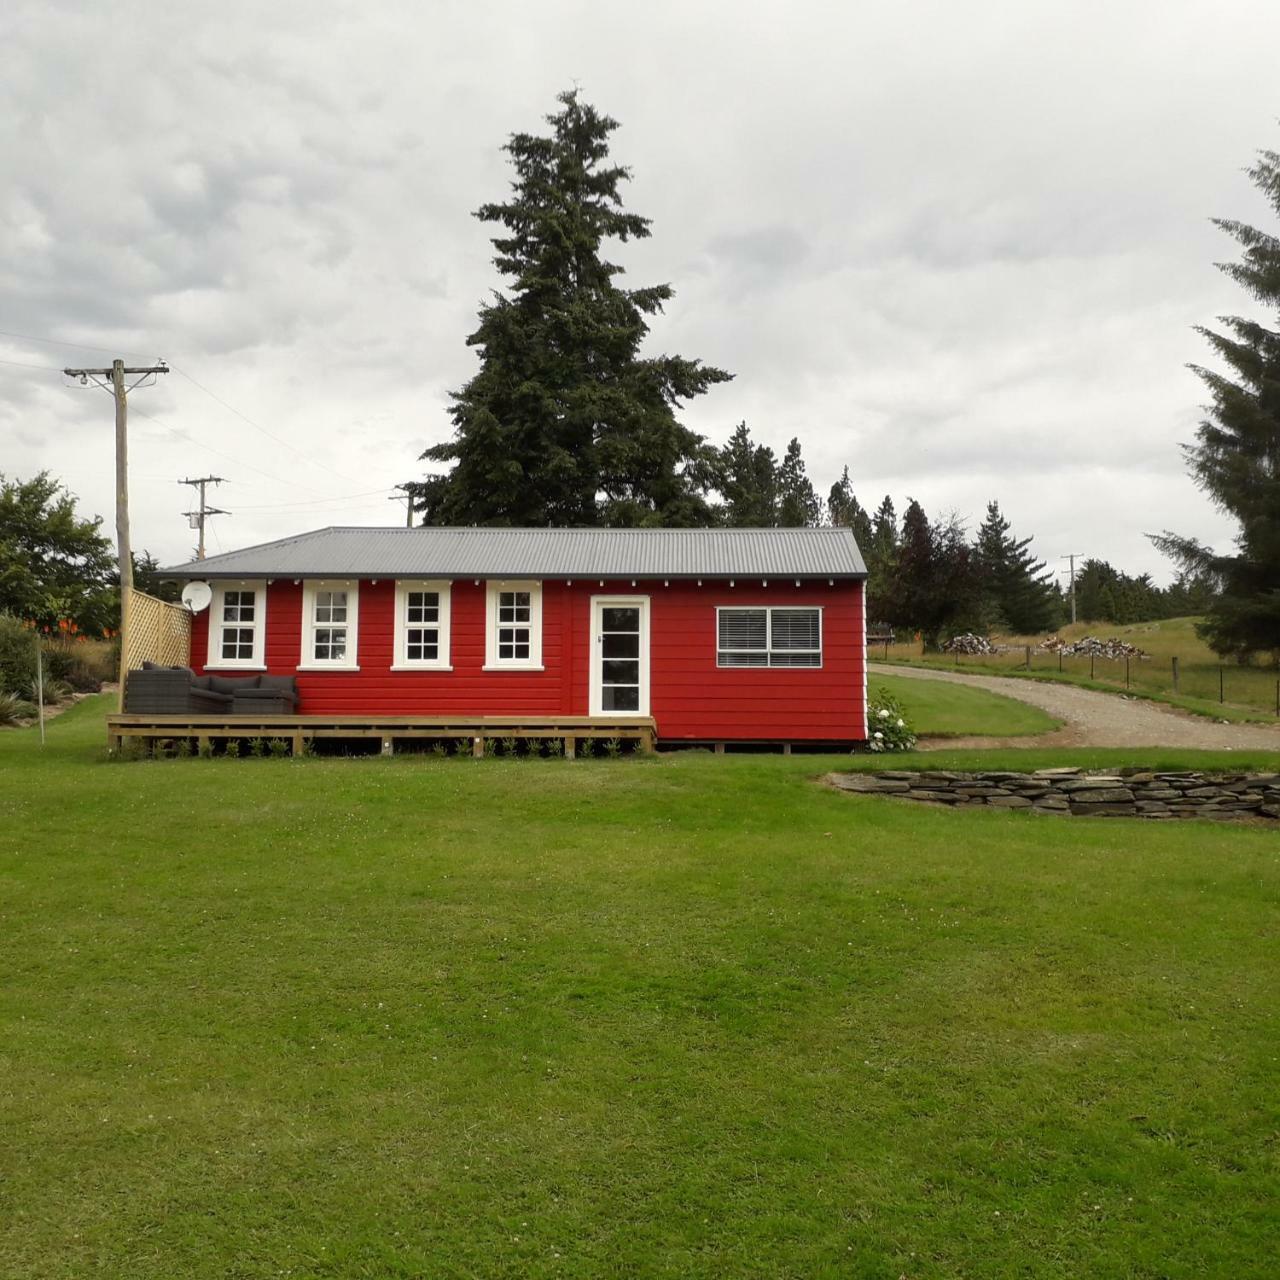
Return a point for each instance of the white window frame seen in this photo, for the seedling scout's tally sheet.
(441, 662)
(768, 649)
(493, 592)
(350, 660)
(214, 661)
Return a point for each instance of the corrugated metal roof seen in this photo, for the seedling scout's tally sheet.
(541, 553)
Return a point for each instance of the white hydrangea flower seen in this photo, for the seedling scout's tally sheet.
(902, 724)
(877, 734)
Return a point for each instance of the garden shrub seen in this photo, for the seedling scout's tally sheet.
(887, 727)
(15, 710)
(17, 655)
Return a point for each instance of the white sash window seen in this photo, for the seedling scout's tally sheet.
(422, 627)
(330, 624)
(237, 625)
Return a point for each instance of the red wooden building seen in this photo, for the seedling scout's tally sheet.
(719, 635)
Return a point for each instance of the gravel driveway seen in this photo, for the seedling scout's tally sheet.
(1092, 719)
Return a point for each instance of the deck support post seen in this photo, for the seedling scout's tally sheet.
(204, 743)
(570, 747)
(477, 748)
(719, 748)
(786, 748)
(388, 746)
(646, 742)
(299, 745)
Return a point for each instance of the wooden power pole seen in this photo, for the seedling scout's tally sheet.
(197, 518)
(112, 379)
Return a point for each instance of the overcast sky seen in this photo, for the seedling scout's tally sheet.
(958, 247)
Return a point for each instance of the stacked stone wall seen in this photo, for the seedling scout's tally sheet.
(1067, 792)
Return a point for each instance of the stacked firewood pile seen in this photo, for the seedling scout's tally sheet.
(967, 642)
(1092, 647)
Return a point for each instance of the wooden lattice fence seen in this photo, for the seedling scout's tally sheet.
(158, 632)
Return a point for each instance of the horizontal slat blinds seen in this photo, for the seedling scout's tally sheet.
(769, 638)
(744, 638)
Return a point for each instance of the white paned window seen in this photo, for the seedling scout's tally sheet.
(767, 637)
(237, 625)
(513, 630)
(330, 620)
(422, 627)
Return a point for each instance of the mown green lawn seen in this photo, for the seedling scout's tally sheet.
(693, 1016)
(935, 708)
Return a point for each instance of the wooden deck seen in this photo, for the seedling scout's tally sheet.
(299, 731)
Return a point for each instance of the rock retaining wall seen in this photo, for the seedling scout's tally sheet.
(1131, 793)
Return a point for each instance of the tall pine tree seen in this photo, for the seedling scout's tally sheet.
(1016, 589)
(798, 503)
(844, 509)
(1237, 458)
(565, 422)
(747, 477)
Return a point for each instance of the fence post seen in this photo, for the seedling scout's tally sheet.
(1059, 660)
(1092, 658)
(1126, 671)
(1278, 697)
(1175, 675)
(1221, 698)
(1028, 657)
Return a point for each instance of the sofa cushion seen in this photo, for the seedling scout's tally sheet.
(232, 684)
(148, 665)
(286, 684)
(201, 682)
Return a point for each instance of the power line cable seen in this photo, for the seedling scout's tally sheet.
(79, 346)
(271, 435)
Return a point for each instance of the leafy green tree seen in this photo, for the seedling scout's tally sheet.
(747, 478)
(146, 578)
(1015, 589)
(54, 564)
(565, 422)
(1237, 458)
(798, 503)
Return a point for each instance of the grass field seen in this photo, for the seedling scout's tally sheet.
(1250, 692)
(937, 709)
(689, 1016)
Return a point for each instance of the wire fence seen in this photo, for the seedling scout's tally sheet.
(1251, 688)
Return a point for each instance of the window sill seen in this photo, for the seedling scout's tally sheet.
(328, 666)
(224, 666)
(513, 666)
(420, 666)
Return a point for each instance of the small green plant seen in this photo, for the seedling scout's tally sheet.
(205, 749)
(232, 748)
(555, 747)
(613, 747)
(887, 727)
(586, 748)
(55, 691)
(507, 746)
(438, 750)
(279, 748)
(257, 747)
(15, 710)
(490, 747)
(182, 749)
(462, 748)
(306, 747)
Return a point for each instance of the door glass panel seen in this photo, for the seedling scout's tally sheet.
(620, 646)
(621, 697)
(620, 619)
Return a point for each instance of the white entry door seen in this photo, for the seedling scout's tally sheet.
(620, 655)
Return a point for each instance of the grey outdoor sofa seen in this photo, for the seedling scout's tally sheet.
(156, 690)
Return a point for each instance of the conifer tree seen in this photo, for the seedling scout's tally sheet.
(844, 509)
(931, 585)
(799, 506)
(747, 478)
(881, 555)
(1016, 588)
(1237, 458)
(565, 422)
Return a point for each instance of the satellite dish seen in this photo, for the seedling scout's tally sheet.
(196, 596)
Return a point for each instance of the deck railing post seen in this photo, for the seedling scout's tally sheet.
(570, 747)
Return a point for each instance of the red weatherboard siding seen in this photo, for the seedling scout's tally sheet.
(690, 697)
